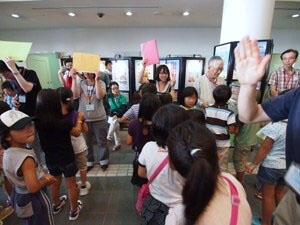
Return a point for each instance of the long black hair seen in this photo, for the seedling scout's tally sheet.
(66, 95)
(193, 152)
(164, 120)
(186, 92)
(48, 107)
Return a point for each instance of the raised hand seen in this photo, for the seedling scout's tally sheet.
(73, 73)
(11, 64)
(250, 68)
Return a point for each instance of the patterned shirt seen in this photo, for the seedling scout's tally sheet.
(283, 81)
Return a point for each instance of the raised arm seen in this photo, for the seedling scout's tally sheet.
(250, 70)
(75, 88)
(61, 76)
(142, 79)
(100, 90)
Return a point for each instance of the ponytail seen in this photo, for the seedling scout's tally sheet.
(199, 189)
(193, 152)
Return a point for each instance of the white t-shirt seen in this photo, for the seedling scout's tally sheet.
(167, 186)
(79, 144)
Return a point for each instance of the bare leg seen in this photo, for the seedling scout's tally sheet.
(267, 203)
(72, 191)
(55, 190)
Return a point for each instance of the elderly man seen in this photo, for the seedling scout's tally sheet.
(209, 81)
(286, 77)
(250, 70)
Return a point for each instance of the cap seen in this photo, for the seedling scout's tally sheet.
(13, 120)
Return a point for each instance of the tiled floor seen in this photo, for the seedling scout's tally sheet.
(112, 197)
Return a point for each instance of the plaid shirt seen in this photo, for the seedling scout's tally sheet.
(283, 81)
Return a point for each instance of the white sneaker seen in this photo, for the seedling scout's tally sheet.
(84, 191)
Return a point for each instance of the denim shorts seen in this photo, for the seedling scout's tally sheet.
(271, 176)
(68, 170)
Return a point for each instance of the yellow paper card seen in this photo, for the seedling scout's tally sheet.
(84, 62)
(18, 51)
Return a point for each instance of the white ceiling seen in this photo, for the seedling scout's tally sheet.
(147, 13)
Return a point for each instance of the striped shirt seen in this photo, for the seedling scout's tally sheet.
(218, 119)
(282, 81)
(133, 112)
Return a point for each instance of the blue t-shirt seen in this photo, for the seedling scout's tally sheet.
(277, 132)
(287, 107)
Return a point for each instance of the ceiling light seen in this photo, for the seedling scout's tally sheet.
(186, 13)
(71, 14)
(128, 13)
(15, 15)
(295, 15)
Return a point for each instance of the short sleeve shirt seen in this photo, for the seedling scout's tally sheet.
(133, 112)
(287, 107)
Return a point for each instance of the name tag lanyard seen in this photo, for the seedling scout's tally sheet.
(90, 92)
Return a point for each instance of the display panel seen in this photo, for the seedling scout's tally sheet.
(173, 65)
(224, 52)
(120, 74)
(193, 71)
(149, 71)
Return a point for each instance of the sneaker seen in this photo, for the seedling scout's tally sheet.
(104, 167)
(57, 208)
(83, 190)
(87, 184)
(74, 215)
(5, 212)
(116, 148)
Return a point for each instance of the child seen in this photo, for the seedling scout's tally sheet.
(54, 132)
(221, 121)
(139, 131)
(165, 191)
(206, 192)
(78, 143)
(188, 98)
(118, 106)
(29, 197)
(91, 93)
(165, 99)
(9, 93)
(271, 157)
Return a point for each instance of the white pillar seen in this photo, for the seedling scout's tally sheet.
(246, 17)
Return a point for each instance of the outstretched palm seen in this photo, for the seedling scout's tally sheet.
(249, 65)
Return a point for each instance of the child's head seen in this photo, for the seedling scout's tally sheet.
(8, 89)
(148, 88)
(148, 106)
(188, 97)
(162, 73)
(193, 153)
(222, 94)
(164, 120)
(66, 98)
(48, 106)
(165, 98)
(3, 107)
(114, 87)
(89, 76)
(196, 115)
(16, 129)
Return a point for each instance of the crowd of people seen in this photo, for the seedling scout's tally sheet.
(181, 149)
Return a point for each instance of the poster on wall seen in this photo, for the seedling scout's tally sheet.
(173, 66)
(120, 73)
(149, 72)
(193, 71)
(224, 52)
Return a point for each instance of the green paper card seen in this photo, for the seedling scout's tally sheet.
(18, 51)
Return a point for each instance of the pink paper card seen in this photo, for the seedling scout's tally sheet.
(150, 52)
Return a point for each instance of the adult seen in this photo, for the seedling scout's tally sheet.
(285, 77)
(64, 73)
(250, 70)
(107, 73)
(25, 82)
(209, 81)
(162, 79)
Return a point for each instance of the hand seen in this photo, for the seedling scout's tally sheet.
(62, 69)
(50, 179)
(11, 64)
(250, 167)
(144, 62)
(98, 75)
(249, 66)
(205, 104)
(73, 73)
(115, 117)
(15, 102)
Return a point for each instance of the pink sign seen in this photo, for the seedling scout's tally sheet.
(150, 52)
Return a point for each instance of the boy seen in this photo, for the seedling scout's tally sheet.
(9, 93)
(221, 121)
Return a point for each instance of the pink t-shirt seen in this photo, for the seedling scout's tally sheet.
(218, 212)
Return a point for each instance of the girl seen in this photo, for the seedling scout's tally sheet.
(209, 197)
(160, 207)
(78, 143)
(91, 93)
(20, 166)
(54, 132)
(188, 98)
(162, 79)
(118, 106)
(139, 131)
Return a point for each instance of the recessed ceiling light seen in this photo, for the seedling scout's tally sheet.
(128, 13)
(15, 15)
(186, 13)
(295, 15)
(71, 14)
